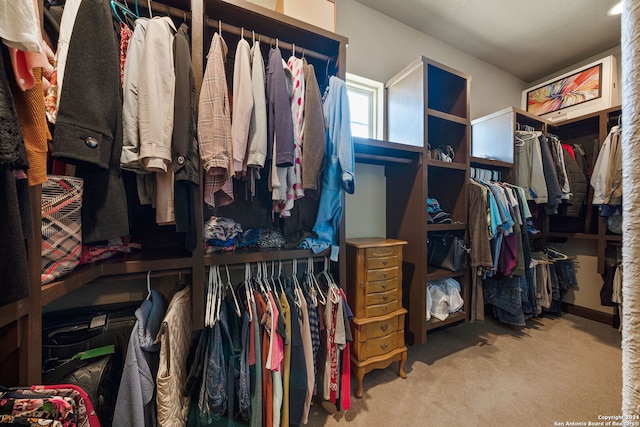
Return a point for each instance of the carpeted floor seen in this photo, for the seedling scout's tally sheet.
(556, 370)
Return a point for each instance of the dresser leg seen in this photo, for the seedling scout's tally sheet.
(359, 376)
(401, 372)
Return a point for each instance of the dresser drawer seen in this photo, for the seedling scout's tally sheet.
(382, 286)
(380, 328)
(382, 274)
(381, 297)
(381, 309)
(384, 262)
(379, 346)
(382, 251)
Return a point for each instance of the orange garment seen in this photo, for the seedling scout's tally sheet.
(33, 121)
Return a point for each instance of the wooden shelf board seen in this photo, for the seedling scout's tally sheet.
(447, 116)
(78, 277)
(258, 255)
(491, 163)
(583, 236)
(364, 145)
(434, 273)
(459, 316)
(446, 227)
(13, 311)
(447, 165)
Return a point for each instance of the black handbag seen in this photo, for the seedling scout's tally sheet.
(448, 251)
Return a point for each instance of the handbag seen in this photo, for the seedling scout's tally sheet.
(448, 251)
(61, 226)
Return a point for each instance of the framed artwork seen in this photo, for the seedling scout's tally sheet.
(582, 86)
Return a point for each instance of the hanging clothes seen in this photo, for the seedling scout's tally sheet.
(89, 133)
(339, 173)
(129, 158)
(529, 170)
(174, 337)
(185, 159)
(135, 404)
(257, 144)
(243, 99)
(214, 128)
(156, 96)
(313, 131)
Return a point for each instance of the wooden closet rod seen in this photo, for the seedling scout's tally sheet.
(380, 158)
(179, 13)
(266, 39)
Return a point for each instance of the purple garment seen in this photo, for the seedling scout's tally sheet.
(279, 121)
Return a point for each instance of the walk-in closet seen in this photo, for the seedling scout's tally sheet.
(317, 212)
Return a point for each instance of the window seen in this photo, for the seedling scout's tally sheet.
(366, 103)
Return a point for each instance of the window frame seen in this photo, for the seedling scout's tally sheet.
(375, 91)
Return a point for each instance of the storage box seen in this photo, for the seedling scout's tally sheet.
(321, 13)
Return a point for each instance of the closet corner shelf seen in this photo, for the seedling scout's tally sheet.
(13, 311)
(490, 162)
(434, 273)
(459, 316)
(463, 167)
(125, 264)
(613, 237)
(583, 236)
(447, 116)
(258, 255)
(446, 227)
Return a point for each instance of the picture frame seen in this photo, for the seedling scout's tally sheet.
(568, 91)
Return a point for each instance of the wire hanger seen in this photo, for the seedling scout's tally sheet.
(233, 292)
(148, 284)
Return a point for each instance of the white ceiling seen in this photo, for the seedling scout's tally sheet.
(529, 39)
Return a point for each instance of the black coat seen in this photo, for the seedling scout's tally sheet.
(88, 131)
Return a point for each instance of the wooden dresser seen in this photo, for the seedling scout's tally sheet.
(374, 292)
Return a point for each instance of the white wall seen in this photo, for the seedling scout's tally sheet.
(379, 47)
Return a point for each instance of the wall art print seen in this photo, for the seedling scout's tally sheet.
(577, 88)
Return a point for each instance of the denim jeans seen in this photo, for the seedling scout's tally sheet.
(507, 296)
(329, 212)
(216, 377)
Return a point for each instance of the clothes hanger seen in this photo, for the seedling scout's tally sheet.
(122, 11)
(233, 293)
(248, 289)
(148, 285)
(556, 255)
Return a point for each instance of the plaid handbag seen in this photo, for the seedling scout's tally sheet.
(61, 226)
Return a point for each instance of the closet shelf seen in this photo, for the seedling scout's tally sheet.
(434, 273)
(490, 162)
(463, 167)
(257, 255)
(139, 262)
(458, 316)
(583, 236)
(446, 227)
(13, 311)
(447, 116)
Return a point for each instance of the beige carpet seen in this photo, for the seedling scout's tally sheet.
(557, 370)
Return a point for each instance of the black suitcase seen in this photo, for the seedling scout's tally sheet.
(66, 333)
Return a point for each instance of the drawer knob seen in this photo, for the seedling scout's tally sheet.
(385, 297)
(385, 309)
(384, 286)
(362, 285)
(385, 262)
(384, 345)
(386, 275)
(384, 327)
